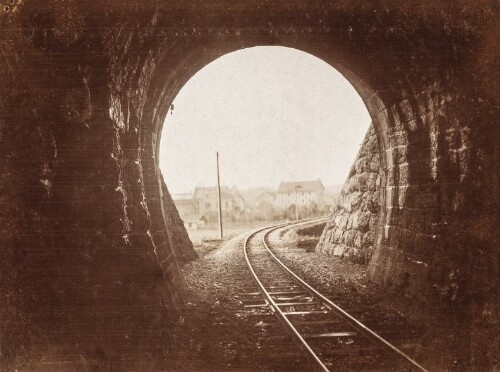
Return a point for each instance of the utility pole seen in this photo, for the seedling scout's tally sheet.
(219, 198)
(296, 203)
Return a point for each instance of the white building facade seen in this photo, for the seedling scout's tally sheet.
(300, 193)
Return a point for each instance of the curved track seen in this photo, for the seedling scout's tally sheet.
(319, 326)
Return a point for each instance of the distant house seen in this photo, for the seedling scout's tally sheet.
(202, 206)
(302, 193)
(308, 195)
(232, 203)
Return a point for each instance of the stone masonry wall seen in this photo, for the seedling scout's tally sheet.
(350, 233)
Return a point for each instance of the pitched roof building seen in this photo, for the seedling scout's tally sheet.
(202, 204)
(305, 186)
(302, 193)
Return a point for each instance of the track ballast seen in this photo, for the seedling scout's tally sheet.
(327, 334)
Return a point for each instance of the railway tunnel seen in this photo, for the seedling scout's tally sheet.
(91, 245)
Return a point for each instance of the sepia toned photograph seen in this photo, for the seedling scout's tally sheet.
(249, 186)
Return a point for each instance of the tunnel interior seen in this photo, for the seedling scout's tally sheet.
(91, 243)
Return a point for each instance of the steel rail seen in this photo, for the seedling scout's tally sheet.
(337, 309)
(282, 317)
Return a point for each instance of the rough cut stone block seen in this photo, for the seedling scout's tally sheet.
(374, 164)
(407, 109)
(358, 239)
(362, 164)
(363, 220)
(339, 250)
(362, 181)
(368, 238)
(355, 198)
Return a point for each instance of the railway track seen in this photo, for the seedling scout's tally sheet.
(333, 339)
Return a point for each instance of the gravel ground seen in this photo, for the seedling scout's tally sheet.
(217, 333)
(437, 337)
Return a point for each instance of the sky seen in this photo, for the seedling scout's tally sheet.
(273, 113)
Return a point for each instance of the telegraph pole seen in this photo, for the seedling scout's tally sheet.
(296, 203)
(219, 198)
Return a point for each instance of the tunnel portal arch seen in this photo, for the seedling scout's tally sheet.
(85, 88)
(197, 59)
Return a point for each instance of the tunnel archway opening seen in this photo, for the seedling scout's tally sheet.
(276, 115)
